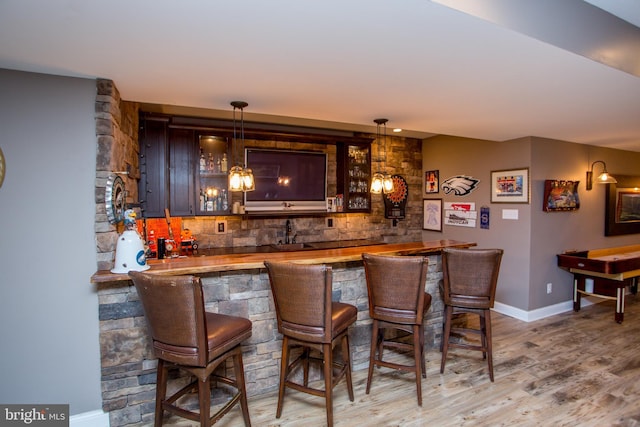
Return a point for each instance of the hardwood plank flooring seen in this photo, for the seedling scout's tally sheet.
(566, 370)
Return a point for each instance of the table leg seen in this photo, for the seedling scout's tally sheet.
(620, 304)
(576, 294)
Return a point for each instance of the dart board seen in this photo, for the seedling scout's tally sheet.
(395, 202)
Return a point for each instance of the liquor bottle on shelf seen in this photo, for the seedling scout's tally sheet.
(225, 200)
(225, 163)
(210, 196)
(203, 161)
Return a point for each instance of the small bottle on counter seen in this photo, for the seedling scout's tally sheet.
(161, 247)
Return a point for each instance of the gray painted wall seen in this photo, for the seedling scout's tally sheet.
(531, 242)
(48, 307)
(477, 158)
(556, 232)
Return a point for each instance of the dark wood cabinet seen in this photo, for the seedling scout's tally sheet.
(354, 176)
(153, 184)
(172, 175)
(185, 163)
(181, 172)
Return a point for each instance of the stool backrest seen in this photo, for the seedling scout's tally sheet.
(302, 297)
(174, 308)
(470, 276)
(396, 287)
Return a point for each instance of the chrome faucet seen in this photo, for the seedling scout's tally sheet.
(287, 232)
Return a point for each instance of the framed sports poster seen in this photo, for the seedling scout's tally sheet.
(510, 186)
(432, 211)
(432, 181)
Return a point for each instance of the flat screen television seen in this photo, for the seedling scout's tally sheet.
(287, 180)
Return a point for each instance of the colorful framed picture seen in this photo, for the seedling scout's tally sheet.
(510, 186)
(432, 181)
(432, 211)
(560, 196)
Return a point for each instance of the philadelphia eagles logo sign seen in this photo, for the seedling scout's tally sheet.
(460, 185)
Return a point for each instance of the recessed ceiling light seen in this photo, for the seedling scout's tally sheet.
(396, 130)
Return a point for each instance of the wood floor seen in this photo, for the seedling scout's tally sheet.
(572, 369)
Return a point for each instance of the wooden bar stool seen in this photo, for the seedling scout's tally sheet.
(308, 318)
(469, 284)
(397, 301)
(187, 337)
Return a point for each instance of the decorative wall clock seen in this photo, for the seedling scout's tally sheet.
(396, 201)
(114, 199)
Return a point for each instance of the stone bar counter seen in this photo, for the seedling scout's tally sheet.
(237, 284)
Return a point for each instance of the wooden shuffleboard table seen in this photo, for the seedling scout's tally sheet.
(603, 273)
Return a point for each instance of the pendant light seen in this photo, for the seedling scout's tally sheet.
(381, 181)
(240, 176)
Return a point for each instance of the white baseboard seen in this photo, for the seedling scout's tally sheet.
(96, 418)
(540, 313)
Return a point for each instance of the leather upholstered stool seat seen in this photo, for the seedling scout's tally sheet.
(397, 301)
(469, 284)
(310, 320)
(198, 342)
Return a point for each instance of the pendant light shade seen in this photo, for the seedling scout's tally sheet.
(377, 183)
(235, 178)
(381, 181)
(248, 183)
(240, 176)
(387, 183)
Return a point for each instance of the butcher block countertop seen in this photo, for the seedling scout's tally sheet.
(248, 261)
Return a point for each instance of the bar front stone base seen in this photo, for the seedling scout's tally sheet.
(128, 363)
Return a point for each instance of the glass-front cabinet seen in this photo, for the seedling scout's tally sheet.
(183, 170)
(212, 170)
(185, 162)
(354, 176)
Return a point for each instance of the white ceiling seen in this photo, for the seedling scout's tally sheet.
(493, 72)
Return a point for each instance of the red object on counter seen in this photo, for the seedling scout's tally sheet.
(157, 228)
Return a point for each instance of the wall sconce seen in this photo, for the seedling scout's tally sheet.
(381, 181)
(603, 178)
(240, 176)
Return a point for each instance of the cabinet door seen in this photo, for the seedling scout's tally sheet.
(354, 176)
(152, 188)
(181, 172)
(213, 175)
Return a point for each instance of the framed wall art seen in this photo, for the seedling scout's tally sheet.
(432, 181)
(560, 195)
(432, 214)
(622, 214)
(510, 186)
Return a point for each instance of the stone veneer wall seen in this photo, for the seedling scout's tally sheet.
(117, 151)
(128, 365)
